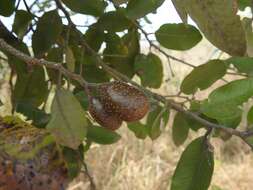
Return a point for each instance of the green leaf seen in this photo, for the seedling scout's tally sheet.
(178, 36)
(21, 22)
(116, 54)
(7, 7)
(70, 59)
(150, 69)
(180, 129)
(139, 8)
(101, 135)
(138, 129)
(68, 123)
(203, 76)
(180, 10)
(242, 4)
(195, 168)
(92, 73)
(83, 99)
(250, 116)
(48, 29)
(1, 103)
(156, 121)
(94, 36)
(72, 160)
(114, 21)
(242, 64)
(219, 23)
(223, 102)
(39, 117)
(31, 87)
(89, 7)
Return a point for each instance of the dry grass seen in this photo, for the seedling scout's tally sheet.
(133, 164)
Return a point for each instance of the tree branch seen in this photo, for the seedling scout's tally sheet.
(171, 104)
(157, 97)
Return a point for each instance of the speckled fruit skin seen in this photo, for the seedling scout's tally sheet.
(29, 158)
(126, 101)
(105, 118)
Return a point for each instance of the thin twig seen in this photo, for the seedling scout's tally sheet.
(161, 50)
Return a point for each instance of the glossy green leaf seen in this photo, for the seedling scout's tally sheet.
(243, 64)
(39, 117)
(180, 129)
(195, 168)
(138, 129)
(150, 69)
(219, 23)
(21, 22)
(89, 7)
(114, 21)
(156, 121)
(70, 59)
(139, 8)
(101, 135)
(68, 123)
(7, 7)
(48, 29)
(178, 36)
(223, 102)
(203, 76)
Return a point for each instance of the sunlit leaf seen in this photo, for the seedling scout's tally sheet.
(68, 123)
(150, 70)
(180, 129)
(203, 76)
(156, 121)
(139, 8)
(101, 135)
(219, 23)
(90, 7)
(180, 10)
(178, 36)
(242, 64)
(114, 21)
(195, 168)
(138, 129)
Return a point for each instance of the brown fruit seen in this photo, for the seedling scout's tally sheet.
(104, 117)
(126, 101)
